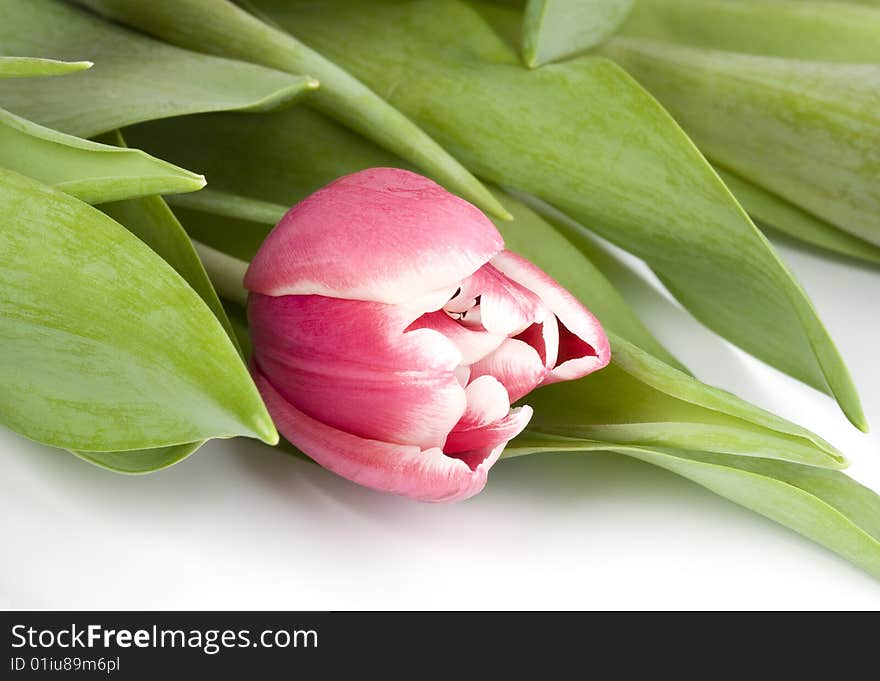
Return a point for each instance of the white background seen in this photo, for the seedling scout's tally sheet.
(240, 525)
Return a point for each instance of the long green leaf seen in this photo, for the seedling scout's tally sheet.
(825, 506)
(219, 27)
(771, 211)
(815, 31)
(134, 78)
(605, 153)
(27, 67)
(640, 400)
(105, 347)
(806, 131)
(90, 171)
(553, 29)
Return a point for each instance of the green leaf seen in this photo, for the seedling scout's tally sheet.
(219, 27)
(806, 131)
(604, 152)
(134, 78)
(140, 461)
(771, 211)
(90, 171)
(105, 347)
(639, 400)
(275, 160)
(232, 206)
(825, 506)
(26, 67)
(814, 31)
(553, 29)
(152, 222)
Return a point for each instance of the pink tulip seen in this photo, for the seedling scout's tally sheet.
(391, 332)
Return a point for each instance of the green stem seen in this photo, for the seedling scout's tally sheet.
(225, 271)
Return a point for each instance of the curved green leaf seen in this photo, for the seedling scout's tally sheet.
(825, 506)
(640, 400)
(553, 29)
(140, 461)
(806, 131)
(209, 26)
(89, 171)
(771, 211)
(105, 347)
(134, 78)
(815, 31)
(27, 67)
(605, 153)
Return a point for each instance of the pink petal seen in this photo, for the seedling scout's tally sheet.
(474, 344)
(544, 338)
(487, 401)
(384, 234)
(506, 307)
(516, 365)
(481, 457)
(583, 346)
(489, 436)
(350, 365)
(425, 475)
(372, 335)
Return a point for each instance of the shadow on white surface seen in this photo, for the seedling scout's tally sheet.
(240, 525)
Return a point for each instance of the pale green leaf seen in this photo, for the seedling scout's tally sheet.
(27, 67)
(815, 31)
(105, 346)
(553, 29)
(90, 171)
(219, 27)
(135, 78)
(771, 211)
(139, 461)
(825, 506)
(806, 131)
(604, 152)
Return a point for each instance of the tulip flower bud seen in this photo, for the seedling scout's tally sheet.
(391, 333)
